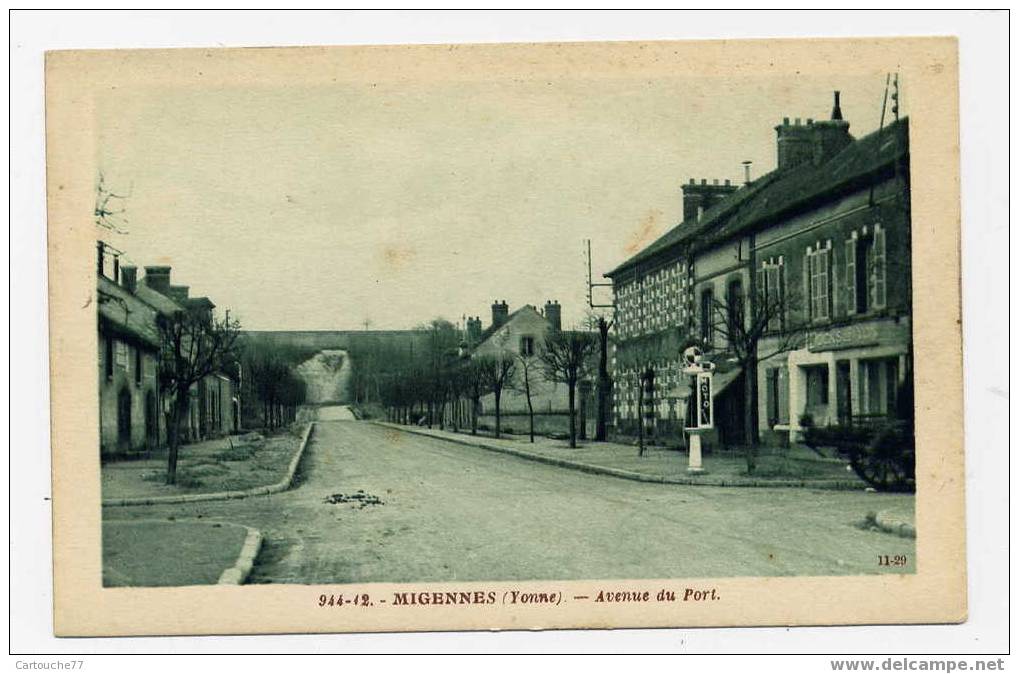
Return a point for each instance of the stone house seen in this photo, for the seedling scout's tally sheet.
(133, 408)
(523, 333)
(130, 403)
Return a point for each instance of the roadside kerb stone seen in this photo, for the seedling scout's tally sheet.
(238, 573)
(890, 525)
(705, 481)
(267, 490)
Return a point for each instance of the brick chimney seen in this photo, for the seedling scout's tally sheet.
(473, 330)
(813, 142)
(795, 143)
(831, 136)
(129, 278)
(554, 314)
(698, 198)
(500, 312)
(158, 278)
(178, 293)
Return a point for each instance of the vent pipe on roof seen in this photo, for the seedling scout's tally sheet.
(746, 171)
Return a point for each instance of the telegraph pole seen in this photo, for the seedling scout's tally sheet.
(604, 382)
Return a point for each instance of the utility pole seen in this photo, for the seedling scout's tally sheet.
(604, 382)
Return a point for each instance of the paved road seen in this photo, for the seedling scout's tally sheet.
(452, 512)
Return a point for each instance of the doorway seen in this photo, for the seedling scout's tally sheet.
(124, 420)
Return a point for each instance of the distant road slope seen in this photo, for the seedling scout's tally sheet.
(328, 377)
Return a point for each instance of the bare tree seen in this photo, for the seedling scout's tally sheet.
(527, 367)
(109, 208)
(743, 326)
(497, 373)
(474, 383)
(566, 357)
(194, 345)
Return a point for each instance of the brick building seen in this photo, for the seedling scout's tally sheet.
(828, 233)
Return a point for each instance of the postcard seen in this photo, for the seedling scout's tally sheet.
(505, 336)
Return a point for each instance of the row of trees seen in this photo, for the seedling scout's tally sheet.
(196, 345)
(446, 383)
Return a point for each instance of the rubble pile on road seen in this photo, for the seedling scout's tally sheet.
(360, 499)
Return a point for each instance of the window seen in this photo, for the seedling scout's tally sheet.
(771, 290)
(137, 366)
(877, 269)
(866, 269)
(818, 274)
(121, 354)
(527, 345)
(108, 358)
(734, 308)
(707, 306)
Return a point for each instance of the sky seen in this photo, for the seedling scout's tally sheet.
(327, 206)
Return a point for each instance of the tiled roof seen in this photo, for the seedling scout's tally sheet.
(127, 314)
(156, 299)
(780, 193)
(490, 330)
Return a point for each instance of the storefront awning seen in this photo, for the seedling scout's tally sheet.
(720, 382)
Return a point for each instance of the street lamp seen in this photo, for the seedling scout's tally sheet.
(702, 420)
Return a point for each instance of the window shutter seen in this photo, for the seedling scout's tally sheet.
(774, 297)
(781, 294)
(783, 395)
(808, 284)
(822, 284)
(851, 300)
(878, 290)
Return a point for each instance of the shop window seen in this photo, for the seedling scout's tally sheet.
(817, 386)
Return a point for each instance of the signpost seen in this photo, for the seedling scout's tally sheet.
(702, 418)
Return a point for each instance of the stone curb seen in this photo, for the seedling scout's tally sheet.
(890, 525)
(282, 485)
(629, 475)
(238, 573)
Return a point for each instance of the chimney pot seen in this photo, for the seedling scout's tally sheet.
(704, 181)
(785, 121)
(836, 111)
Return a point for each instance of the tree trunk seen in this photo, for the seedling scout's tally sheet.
(179, 413)
(749, 414)
(600, 432)
(582, 422)
(530, 411)
(498, 415)
(573, 421)
(474, 416)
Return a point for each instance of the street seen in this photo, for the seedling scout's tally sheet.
(408, 508)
